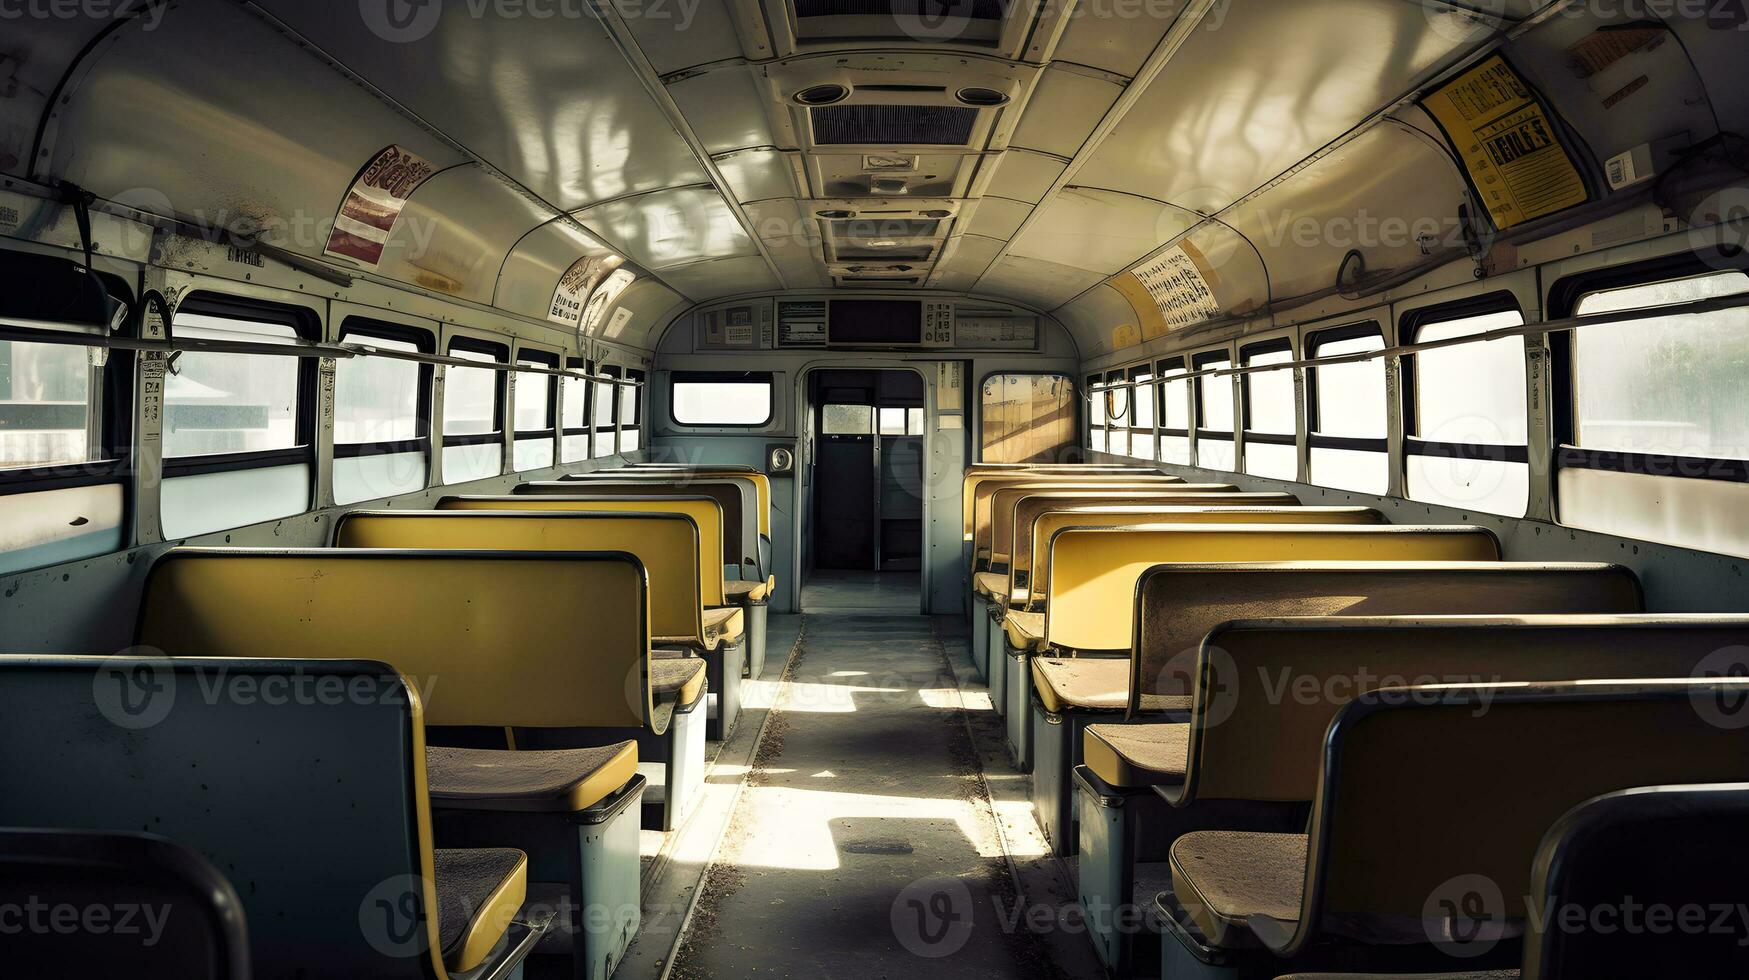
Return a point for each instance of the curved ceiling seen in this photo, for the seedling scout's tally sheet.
(1031, 153)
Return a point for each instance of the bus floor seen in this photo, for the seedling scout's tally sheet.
(876, 835)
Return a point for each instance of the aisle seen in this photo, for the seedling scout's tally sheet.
(864, 845)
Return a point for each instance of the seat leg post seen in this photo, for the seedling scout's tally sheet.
(1018, 664)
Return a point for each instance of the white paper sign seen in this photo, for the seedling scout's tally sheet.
(1179, 289)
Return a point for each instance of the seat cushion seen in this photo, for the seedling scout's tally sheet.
(723, 626)
(1026, 631)
(1091, 683)
(479, 892)
(1177, 705)
(541, 781)
(1223, 879)
(1137, 756)
(991, 586)
(677, 679)
(736, 590)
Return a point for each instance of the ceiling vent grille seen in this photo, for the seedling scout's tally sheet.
(896, 125)
(975, 10)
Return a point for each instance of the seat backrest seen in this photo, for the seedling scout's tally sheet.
(1178, 605)
(1094, 570)
(667, 545)
(1432, 801)
(761, 483)
(1213, 509)
(1268, 689)
(464, 626)
(1676, 849)
(303, 780)
(975, 481)
(1029, 504)
(167, 914)
(736, 497)
(983, 512)
(1005, 503)
(706, 512)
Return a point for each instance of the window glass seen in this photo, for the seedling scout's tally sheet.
(45, 404)
(1144, 401)
(574, 392)
(706, 401)
(1025, 418)
(1351, 405)
(1271, 395)
(1216, 394)
(913, 421)
(1472, 393)
(1351, 397)
(847, 420)
(219, 403)
(470, 396)
(892, 421)
(1664, 385)
(534, 394)
(1175, 416)
(376, 399)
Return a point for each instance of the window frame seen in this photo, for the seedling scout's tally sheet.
(501, 422)
(426, 343)
(1199, 363)
(1335, 335)
(1115, 381)
(769, 378)
(1273, 346)
(112, 391)
(1096, 389)
(306, 325)
(610, 375)
(1564, 299)
(1137, 387)
(1410, 327)
(549, 360)
(581, 366)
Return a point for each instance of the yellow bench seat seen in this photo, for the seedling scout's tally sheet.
(736, 590)
(994, 586)
(550, 781)
(678, 679)
(1026, 631)
(1137, 756)
(1223, 904)
(720, 626)
(1093, 684)
(479, 892)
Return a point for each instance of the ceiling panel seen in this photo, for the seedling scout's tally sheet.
(532, 270)
(1044, 285)
(725, 108)
(757, 175)
(664, 229)
(1063, 110)
(548, 100)
(998, 217)
(1116, 44)
(1097, 318)
(1261, 87)
(677, 35)
(1100, 231)
(1024, 176)
(722, 277)
(455, 232)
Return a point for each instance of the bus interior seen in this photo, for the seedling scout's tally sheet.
(1198, 489)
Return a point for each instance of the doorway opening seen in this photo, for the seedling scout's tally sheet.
(865, 549)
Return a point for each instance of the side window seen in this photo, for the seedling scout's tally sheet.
(64, 413)
(1142, 442)
(631, 413)
(1117, 409)
(1174, 412)
(473, 412)
(1467, 411)
(1214, 412)
(1348, 416)
(1271, 417)
(1027, 418)
(1096, 414)
(238, 427)
(847, 420)
(901, 421)
(1655, 433)
(606, 412)
(536, 407)
(728, 399)
(574, 392)
(382, 413)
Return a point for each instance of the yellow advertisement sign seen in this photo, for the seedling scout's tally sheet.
(1508, 143)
